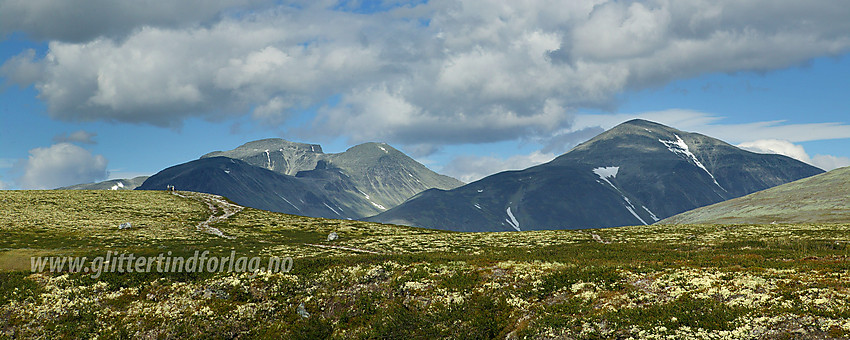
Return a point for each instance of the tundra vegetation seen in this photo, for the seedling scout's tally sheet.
(391, 282)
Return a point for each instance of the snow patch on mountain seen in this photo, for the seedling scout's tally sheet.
(269, 158)
(605, 173)
(679, 147)
(290, 203)
(512, 221)
(117, 186)
(651, 214)
(332, 209)
(631, 208)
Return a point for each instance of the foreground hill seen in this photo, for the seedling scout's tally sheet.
(636, 173)
(389, 282)
(112, 184)
(818, 199)
(297, 178)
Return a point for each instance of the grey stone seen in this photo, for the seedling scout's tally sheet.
(302, 311)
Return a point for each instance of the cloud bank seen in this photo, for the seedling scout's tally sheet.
(441, 72)
(712, 125)
(84, 20)
(79, 136)
(472, 168)
(784, 147)
(60, 165)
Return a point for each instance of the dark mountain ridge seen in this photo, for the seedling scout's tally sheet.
(636, 173)
(300, 179)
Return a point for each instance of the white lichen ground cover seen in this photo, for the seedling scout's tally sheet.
(648, 282)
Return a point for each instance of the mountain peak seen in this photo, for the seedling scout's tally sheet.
(630, 135)
(299, 178)
(635, 173)
(642, 127)
(275, 154)
(371, 150)
(271, 144)
(643, 123)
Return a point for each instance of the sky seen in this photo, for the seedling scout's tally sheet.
(98, 89)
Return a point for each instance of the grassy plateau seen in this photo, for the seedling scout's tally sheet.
(771, 281)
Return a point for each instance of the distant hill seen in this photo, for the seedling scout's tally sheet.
(112, 184)
(297, 178)
(818, 199)
(636, 173)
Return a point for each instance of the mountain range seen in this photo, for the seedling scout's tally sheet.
(112, 184)
(297, 178)
(817, 199)
(636, 173)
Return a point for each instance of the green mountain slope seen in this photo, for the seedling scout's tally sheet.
(818, 199)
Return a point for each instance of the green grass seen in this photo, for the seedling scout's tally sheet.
(689, 281)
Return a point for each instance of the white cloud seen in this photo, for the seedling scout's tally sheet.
(784, 147)
(829, 162)
(476, 72)
(712, 125)
(779, 147)
(6, 163)
(79, 136)
(472, 168)
(563, 141)
(22, 70)
(61, 165)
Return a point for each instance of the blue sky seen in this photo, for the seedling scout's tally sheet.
(469, 88)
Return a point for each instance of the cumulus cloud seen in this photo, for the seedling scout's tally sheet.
(79, 136)
(60, 165)
(786, 148)
(440, 72)
(22, 70)
(472, 168)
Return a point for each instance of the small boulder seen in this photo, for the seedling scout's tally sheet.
(125, 225)
(302, 311)
(332, 236)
